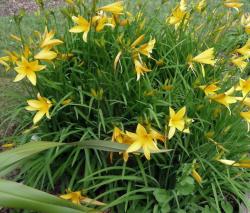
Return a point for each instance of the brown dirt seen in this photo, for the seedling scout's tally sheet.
(11, 7)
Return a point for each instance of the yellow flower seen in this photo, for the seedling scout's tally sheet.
(246, 116)
(137, 41)
(239, 62)
(146, 49)
(48, 40)
(177, 121)
(28, 69)
(201, 5)
(156, 135)
(42, 105)
(235, 4)
(177, 17)
(8, 145)
(46, 54)
(120, 137)
(142, 139)
(140, 68)
(77, 198)
(206, 57)
(83, 26)
(240, 164)
(115, 8)
(245, 50)
(224, 98)
(196, 176)
(245, 21)
(244, 86)
(209, 89)
(117, 135)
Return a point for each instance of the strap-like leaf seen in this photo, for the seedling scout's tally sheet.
(16, 195)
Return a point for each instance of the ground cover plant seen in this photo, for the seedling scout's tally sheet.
(129, 107)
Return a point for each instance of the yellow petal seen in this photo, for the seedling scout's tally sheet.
(171, 132)
(46, 54)
(76, 29)
(140, 130)
(180, 114)
(32, 77)
(134, 147)
(38, 116)
(19, 77)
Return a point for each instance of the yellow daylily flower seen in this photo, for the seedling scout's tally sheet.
(245, 21)
(224, 98)
(196, 176)
(42, 105)
(244, 86)
(120, 137)
(137, 41)
(83, 26)
(201, 5)
(246, 116)
(117, 135)
(206, 57)
(146, 49)
(46, 54)
(142, 139)
(239, 62)
(156, 135)
(28, 69)
(210, 89)
(177, 17)
(235, 4)
(48, 39)
(115, 8)
(240, 164)
(140, 69)
(244, 50)
(8, 145)
(177, 121)
(76, 198)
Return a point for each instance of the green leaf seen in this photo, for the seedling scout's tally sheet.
(8, 158)
(16, 195)
(109, 146)
(227, 207)
(186, 186)
(163, 197)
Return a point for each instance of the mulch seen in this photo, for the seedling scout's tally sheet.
(11, 7)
